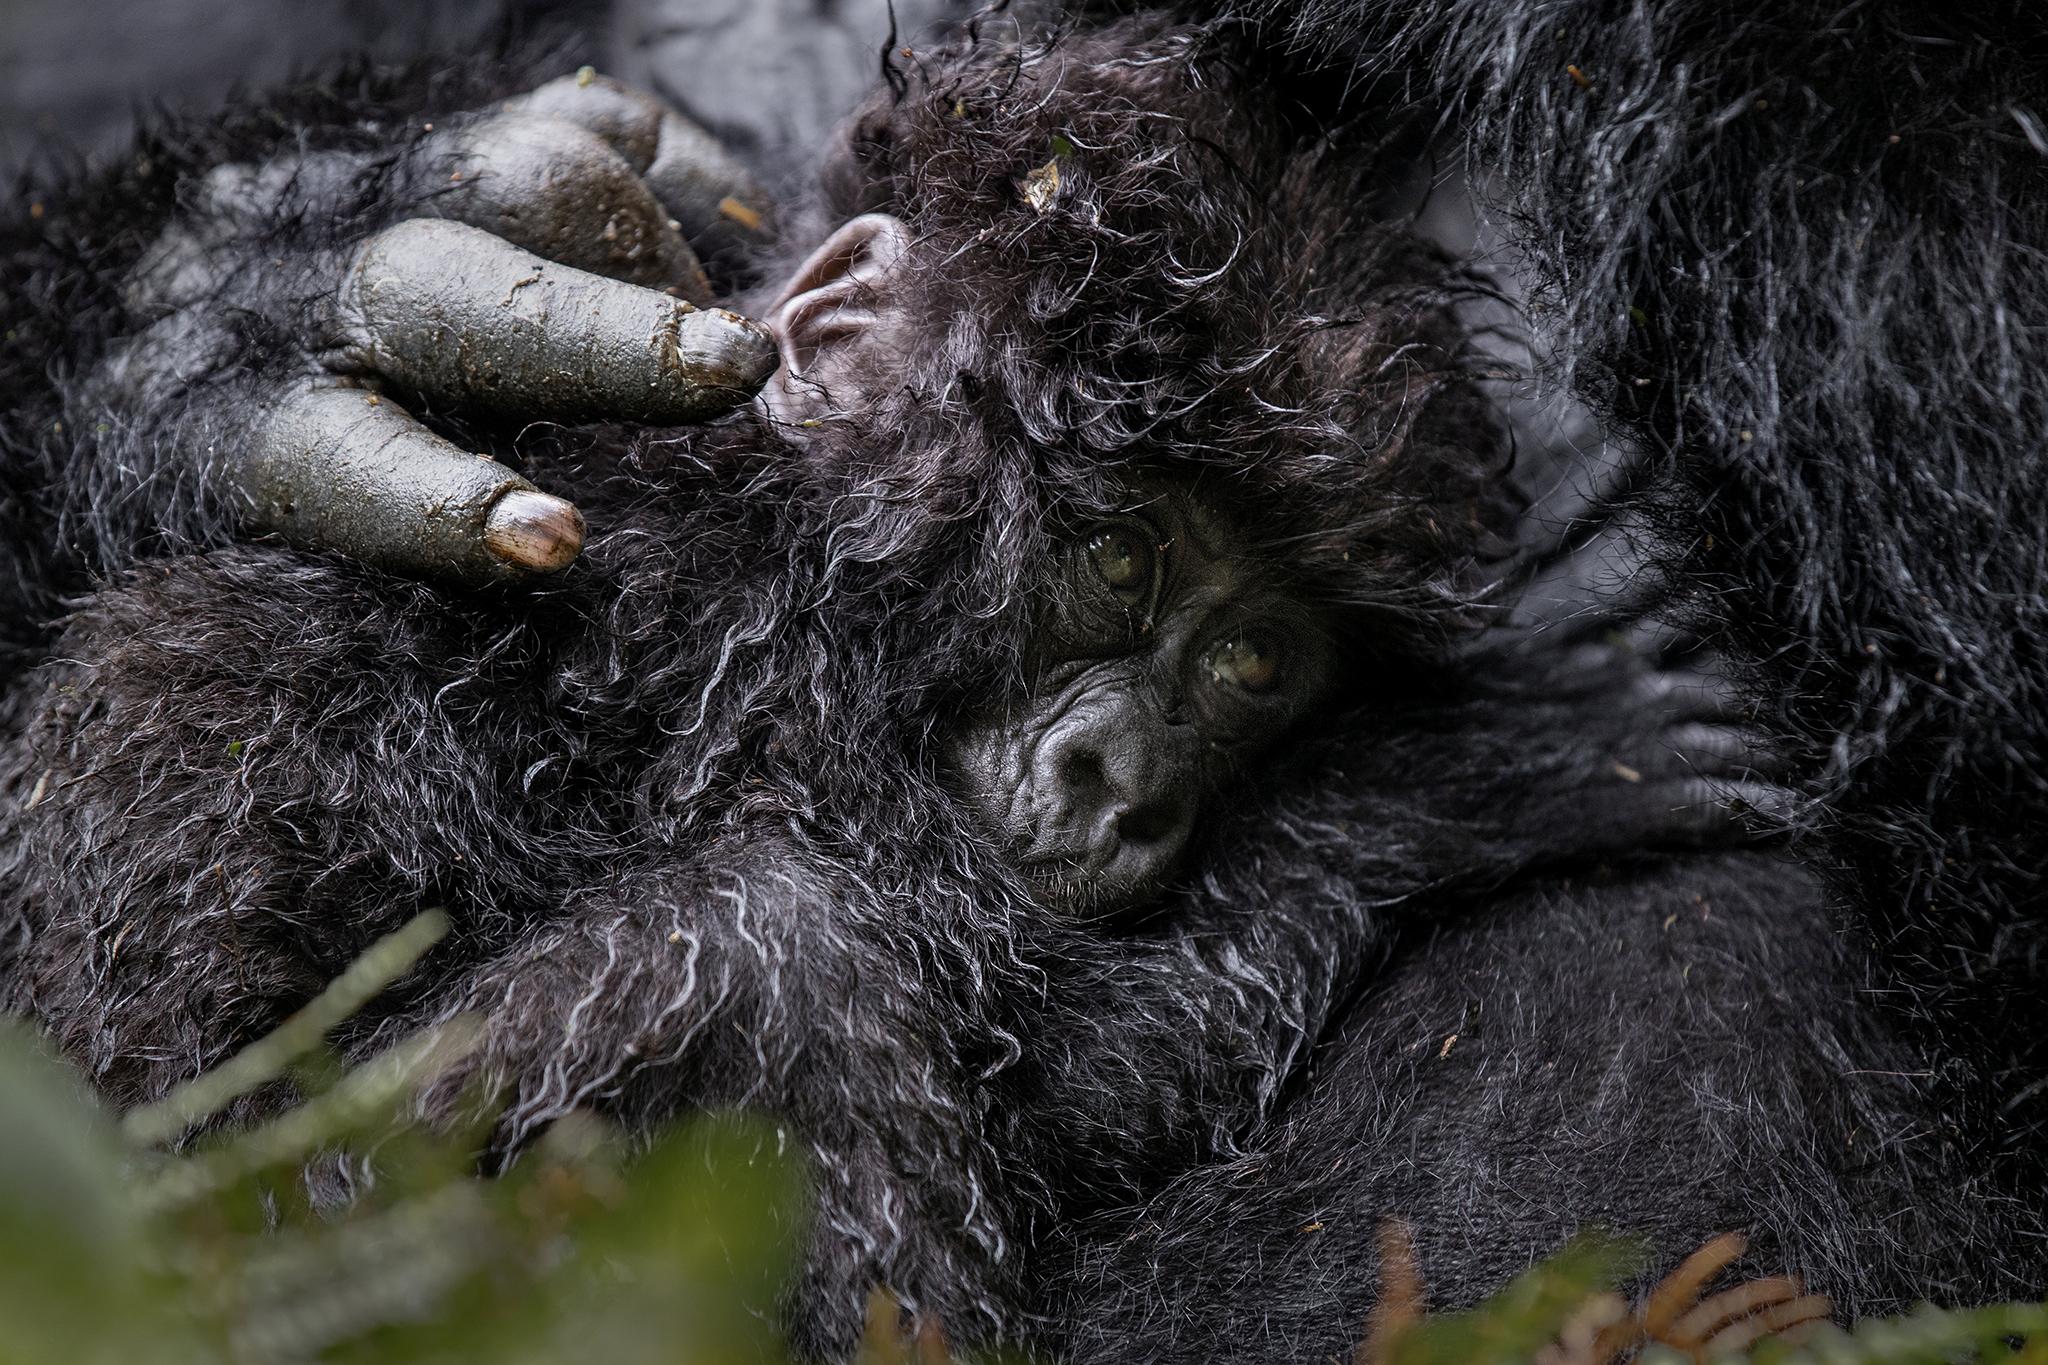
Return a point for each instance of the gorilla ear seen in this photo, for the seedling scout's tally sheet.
(839, 322)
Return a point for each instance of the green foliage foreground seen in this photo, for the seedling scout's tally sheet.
(113, 1251)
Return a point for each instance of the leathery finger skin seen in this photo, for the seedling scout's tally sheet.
(627, 119)
(452, 312)
(720, 208)
(715, 200)
(344, 469)
(559, 190)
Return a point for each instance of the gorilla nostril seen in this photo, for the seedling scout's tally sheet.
(1081, 772)
(1148, 823)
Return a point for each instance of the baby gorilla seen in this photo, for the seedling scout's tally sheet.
(1167, 657)
(1108, 436)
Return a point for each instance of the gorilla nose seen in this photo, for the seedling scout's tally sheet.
(1131, 813)
(1152, 823)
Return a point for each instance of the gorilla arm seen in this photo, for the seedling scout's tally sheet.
(758, 974)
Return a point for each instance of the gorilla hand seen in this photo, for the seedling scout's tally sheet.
(540, 267)
(1648, 746)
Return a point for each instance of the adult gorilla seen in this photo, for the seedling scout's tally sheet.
(1679, 1044)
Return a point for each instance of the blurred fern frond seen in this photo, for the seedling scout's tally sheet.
(113, 1251)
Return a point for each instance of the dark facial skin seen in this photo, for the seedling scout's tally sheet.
(1168, 659)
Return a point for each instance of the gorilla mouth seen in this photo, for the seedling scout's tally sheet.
(1099, 876)
(1065, 885)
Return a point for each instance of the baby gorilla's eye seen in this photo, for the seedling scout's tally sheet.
(1247, 660)
(1124, 559)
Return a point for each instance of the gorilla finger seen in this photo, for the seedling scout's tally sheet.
(1644, 632)
(1766, 807)
(1711, 750)
(1689, 813)
(720, 208)
(560, 191)
(454, 313)
(627, 119)
(1700, 693)
(199, 252)
(1594, 586)
(1715, 806)
(344, 469)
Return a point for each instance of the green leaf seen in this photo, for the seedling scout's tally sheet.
(75, 1284)
(1513, 1325)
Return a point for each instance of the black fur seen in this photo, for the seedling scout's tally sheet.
(1797, 254)
(1664, 1049)
(1791, 253)
(683, 805)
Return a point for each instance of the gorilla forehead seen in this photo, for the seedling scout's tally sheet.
(1115, 265)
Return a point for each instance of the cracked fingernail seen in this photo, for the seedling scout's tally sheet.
(534, 531)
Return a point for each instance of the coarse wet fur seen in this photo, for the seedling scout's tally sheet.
(685, 810)
(1792, 254)
(1798, 254)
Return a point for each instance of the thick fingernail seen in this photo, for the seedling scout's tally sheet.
(534, 531)
(717, 348)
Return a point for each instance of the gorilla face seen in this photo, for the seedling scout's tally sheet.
(1167, 658)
